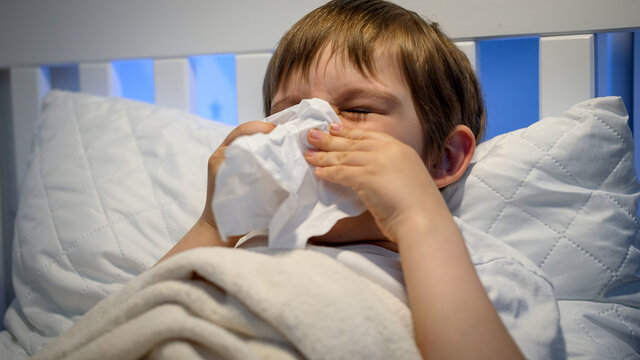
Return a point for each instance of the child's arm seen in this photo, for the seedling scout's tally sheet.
(205, 232)
(453, 315)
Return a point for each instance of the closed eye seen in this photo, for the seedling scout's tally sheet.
(355, 114)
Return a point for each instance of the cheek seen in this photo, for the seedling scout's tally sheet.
(412, 133)
(372, 122)
(415, 140)
(409, 132)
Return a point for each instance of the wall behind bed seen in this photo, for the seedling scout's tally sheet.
(134, 48)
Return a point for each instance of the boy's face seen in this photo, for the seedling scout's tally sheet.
(382, 104)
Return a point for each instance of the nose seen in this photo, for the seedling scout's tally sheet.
(335, 109)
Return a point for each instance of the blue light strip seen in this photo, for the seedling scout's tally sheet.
(614, 67)
(215, 77)
(136, 79)
(617, 67)
(509, 72)
(636, 97)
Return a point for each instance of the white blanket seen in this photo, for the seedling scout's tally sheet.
(262, 303)
(320, 303)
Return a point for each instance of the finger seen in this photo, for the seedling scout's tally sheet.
(339, 174)
(348, 158)
(216, 159)
(248, 128)
(327, 142)
(337, 129)
(340, 130)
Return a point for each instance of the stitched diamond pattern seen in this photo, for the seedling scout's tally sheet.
(112, 184)
(564, 192)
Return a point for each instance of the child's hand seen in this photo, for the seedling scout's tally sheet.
(388, 175)
(217, 158)
(205, 231)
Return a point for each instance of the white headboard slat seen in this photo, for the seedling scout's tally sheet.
(250, 70)
(469, 49)
(99, 79)
(28, 86)
(175, 84)
(567, 72)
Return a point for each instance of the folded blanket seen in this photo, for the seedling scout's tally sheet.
(243, 304)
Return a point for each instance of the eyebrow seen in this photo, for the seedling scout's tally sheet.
(285, 103)
(387, 99)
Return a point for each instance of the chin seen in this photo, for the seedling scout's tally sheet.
(358, 228)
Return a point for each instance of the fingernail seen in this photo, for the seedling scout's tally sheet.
(336, 126)
(310, 152)
(315, 134)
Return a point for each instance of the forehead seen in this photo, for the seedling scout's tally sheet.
(336, 65)
(337, 80)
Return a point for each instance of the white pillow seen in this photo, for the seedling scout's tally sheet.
(112, 185)
(564, 192)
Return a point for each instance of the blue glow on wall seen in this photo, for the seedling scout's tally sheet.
(215, 77)
(508, 71)
(636, 97)
(615, 74)
(136, 79)
(614, 67)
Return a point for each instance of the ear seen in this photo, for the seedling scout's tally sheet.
(458, 151)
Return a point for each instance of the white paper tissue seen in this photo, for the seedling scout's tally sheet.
(265, 184)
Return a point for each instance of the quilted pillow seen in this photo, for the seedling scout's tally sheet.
(564, 192)
(112, 185)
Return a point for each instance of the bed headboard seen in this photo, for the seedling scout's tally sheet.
(575, 48)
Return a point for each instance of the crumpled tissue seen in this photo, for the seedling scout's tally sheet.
(266, 185)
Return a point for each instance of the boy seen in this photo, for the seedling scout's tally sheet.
(412, 112)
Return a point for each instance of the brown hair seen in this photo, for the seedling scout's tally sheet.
(443, 85)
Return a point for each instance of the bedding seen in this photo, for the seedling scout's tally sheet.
(315, 303)
(240, 307)
(103, 171)
(563, 192)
